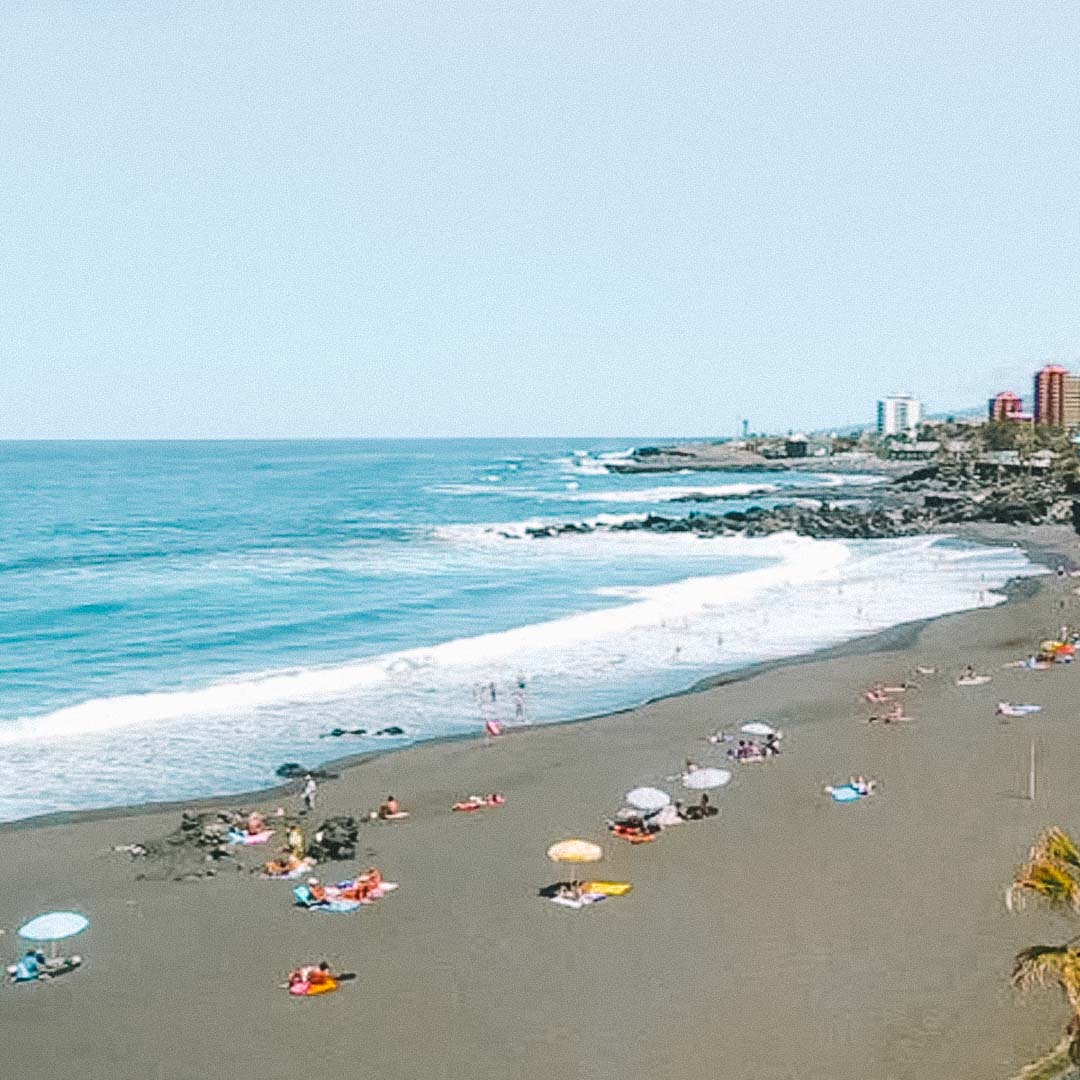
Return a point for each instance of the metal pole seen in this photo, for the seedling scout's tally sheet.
(1031, 774)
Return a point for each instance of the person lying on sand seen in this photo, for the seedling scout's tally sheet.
(857, 786)
(748, 753)
(876, 694)
(290, 864)
(895, 715)
(255, 823)
(634, 828)
(35, 966)
(570, 891)
(475, 802)
(720, 736)
(391, 810)
(312, 975)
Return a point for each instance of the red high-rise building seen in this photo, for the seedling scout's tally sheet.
(1006, 406)
(1057, 397)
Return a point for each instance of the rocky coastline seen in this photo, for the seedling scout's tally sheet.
(927, 500)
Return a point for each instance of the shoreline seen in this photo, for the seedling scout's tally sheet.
(892, 638)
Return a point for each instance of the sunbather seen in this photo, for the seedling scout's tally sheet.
(255, 823)
(895, 716)
(312, 975)
(750, 754)
(290, 864)
(34, 966)
(389, 809)
(862, 785)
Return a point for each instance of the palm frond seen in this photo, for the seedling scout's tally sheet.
(1048, 966)
(1047, 881)
(1056, 846)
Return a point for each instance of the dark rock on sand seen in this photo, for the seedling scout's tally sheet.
(335, 840)
(292, 770)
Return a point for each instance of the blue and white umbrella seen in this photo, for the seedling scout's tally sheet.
(54, 926)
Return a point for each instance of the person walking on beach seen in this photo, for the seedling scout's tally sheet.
(310, 791)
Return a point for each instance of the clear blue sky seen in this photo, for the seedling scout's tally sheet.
(526, 217)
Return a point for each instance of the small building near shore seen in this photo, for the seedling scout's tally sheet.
(920, 450)
(796, 446)
(1010, 461)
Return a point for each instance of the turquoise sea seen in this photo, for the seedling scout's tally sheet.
(177, 619)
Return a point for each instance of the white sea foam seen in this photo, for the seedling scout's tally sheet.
(666, 492)
(573, 493)
(805, 594)
(673, 493)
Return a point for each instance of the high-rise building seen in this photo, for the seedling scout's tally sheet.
(1006, 406)
(899, 415)
(1057, 397)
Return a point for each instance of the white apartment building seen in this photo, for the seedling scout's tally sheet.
(899, 415)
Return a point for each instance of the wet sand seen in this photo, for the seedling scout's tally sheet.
(789, 938)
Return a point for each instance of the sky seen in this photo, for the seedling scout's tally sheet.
(523, 217)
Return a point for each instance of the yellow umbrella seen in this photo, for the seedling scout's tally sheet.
(575, 851)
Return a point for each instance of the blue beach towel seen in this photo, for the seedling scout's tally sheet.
(845, 794)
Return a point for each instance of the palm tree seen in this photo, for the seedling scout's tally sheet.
(1053, 965)
(1051, 875)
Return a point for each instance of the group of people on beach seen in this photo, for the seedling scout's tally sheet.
(749, 751)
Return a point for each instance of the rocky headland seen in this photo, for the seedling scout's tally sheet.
(926, 500)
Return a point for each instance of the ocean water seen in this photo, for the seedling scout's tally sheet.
(178, 619)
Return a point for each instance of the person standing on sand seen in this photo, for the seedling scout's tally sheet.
(310, 791)
(295, 841)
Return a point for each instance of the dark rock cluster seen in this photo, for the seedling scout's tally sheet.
(335, 840)
(924, 501)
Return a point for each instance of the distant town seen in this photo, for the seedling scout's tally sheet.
(1006, 435)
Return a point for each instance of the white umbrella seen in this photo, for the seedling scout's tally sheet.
(647, 798)
(757, 728)
(705, 779)
(54, 926)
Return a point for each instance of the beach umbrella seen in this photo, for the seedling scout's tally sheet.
(575, 852)
(647, 798)
(756, 728)
(706, 779)
(54, 926)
